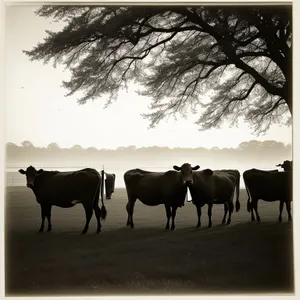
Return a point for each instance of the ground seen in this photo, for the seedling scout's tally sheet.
(243, 257)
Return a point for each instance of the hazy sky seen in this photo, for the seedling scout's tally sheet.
(37, 110)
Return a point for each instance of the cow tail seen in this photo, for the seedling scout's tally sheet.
(237, 202)
(103, 209)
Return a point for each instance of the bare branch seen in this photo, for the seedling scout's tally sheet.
(241, 56)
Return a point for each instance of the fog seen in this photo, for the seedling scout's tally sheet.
(253, 154)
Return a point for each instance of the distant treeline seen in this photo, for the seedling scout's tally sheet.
(251, 150)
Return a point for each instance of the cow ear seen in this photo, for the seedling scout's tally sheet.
(176, 168)
(22, 171)
(40, 171)
(196, 168)
(208, 172)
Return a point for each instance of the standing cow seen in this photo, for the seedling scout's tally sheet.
(249, 207)
(155, 188)
(66, 189)
(270, 187)
(110, 180)
(209, 187)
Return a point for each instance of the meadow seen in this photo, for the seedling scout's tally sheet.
(243, 257)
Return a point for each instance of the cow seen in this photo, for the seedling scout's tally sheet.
(66, 189)
(287, 165)
(232, 180)
(201, 186)
(212, 187)
(270, 187)
(155, 188)
(109, 185)
(249, 207)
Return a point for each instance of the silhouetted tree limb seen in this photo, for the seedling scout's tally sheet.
(240, 57)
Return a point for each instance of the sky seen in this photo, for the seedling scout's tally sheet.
(37, 110)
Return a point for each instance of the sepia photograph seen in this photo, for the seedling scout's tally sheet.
(148, 149)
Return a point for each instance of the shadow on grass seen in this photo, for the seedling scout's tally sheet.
(243, 257)
(246, 257)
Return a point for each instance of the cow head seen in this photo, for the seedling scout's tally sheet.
(187, 173)
(286, 166)
(30, 173)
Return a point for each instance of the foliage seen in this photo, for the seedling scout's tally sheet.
(53, 146)
(222, 62)
(27, 144)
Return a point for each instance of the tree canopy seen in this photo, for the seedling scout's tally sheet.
(27, 144)
(232, 62)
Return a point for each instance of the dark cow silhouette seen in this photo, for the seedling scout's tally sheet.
(269, 186)
(109, 184)
(249, 207)
(225, 182)
(155, 188)
(66, 189)
(287, 165)
(201, 186)
(212, 187)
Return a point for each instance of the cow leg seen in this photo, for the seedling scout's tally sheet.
(174, 209)
(88, 214)
(199, 212)
(128, 214)
(252, 214)
(168, 214)
(230, 208)
(131, 215)
(281, 203)
(43, 214)
(209, 212)
(49, 217)
(225, 212)
(254, 206)
(130, 209)
(288, 209)
(97, 211)
(249, 205)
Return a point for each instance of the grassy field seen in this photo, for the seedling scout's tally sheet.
(243, 257)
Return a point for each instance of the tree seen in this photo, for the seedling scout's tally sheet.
(240, 57)
(11, 145)
(92, 149)
(27, 144)
(272, 145)
(251, 146)
(53, 146)
(77, 147)
(131, 148)
(11, 149)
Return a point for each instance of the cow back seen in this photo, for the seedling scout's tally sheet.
(202, 189)
(153, 188)
(59, 187)
(224, 184)
(269, 186)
